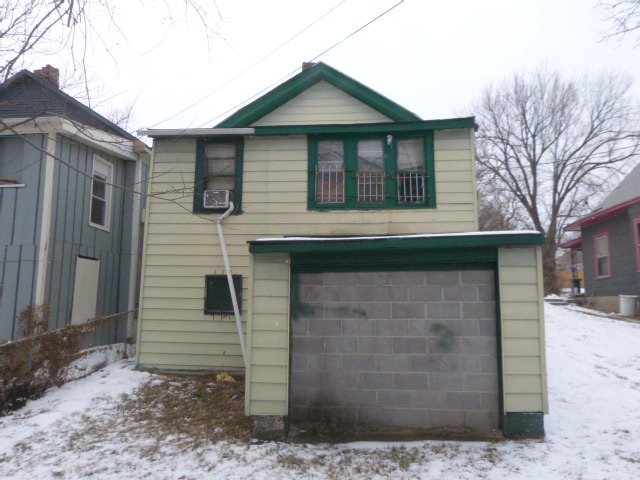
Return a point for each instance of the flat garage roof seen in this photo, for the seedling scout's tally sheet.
(397, 242)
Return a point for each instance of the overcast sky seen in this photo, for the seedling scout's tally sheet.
(432, 57)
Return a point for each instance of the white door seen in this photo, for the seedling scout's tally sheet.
(85, 291)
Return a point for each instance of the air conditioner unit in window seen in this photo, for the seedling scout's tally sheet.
(216, 199)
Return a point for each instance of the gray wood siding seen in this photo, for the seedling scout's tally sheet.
(19, 226)
(71, 234)
(624, 278)
(634, 212)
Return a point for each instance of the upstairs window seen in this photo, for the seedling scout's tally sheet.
(101, 191)
(218, 168)
(371, 172)
(603, 255)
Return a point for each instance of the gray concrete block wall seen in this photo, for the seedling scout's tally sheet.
(398, 349)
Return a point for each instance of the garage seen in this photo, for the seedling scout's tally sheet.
(395, 349)
(428, 331)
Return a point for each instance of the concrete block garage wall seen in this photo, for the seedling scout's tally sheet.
(398, 349)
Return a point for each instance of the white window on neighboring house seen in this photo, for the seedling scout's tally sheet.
(603, 255)
(102, 177)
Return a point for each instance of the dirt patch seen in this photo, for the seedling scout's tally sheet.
(187, 411)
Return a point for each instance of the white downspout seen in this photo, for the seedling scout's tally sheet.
(232, 290)
(45, 220)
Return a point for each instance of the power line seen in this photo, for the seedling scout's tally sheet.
(296, 69)
(251, 66)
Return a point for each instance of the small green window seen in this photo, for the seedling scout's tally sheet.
(371, 172)
(218, 178)
(218, 297)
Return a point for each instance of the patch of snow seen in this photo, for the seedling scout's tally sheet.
(93, 359)
(594, 389)
(42, 417)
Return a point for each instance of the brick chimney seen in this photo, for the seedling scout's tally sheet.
(52, 74)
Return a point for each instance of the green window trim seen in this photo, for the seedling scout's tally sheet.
(350, 148)
(200, 178)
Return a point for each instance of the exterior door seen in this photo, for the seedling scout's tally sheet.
(85, 290)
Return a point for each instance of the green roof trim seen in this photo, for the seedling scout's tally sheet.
(386, 244)
(307, 78)
(368, 128)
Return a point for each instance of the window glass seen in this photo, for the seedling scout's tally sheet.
(221, 159)
(220, 183)
(100, 194)
(602, 256)
(330, 155)
(411, 154)
(637, 225)
(370, 156)
(371, 171)
(330, 174)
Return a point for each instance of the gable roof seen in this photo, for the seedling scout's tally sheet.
(627, 190)
(294, 86)
(49, 100)
(627, 193)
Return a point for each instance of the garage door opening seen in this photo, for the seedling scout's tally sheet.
(395, 350)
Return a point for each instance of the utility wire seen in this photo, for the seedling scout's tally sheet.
(251, 66)
(296, 69)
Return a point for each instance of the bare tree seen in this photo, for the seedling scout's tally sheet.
(551, 146)
(30, 27)
(622, 15)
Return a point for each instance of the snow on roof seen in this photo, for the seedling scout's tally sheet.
(396, 237)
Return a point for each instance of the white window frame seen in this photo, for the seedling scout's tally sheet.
(104, 169)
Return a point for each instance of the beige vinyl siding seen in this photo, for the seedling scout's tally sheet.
(322, 104)
(521, 306)
(181, 248)
(268, 336)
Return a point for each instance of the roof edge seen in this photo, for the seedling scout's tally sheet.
(56, 90)
(289, 89)
(397, 242)
(601, 216)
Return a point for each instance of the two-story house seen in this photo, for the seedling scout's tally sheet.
(610, 245)
(70, 217)
(365, 294)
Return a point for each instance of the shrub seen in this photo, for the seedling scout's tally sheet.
(31, 365)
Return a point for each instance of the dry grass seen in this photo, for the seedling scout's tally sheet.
(195, 407)
(189, 412)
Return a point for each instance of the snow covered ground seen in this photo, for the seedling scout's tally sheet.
(593, 430)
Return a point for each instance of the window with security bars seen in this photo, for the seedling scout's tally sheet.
(330, 185)
(411, 172)
(371, 175)
(371, 172)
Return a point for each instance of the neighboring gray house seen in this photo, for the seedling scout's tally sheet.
(69, 237)
(610, 244)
